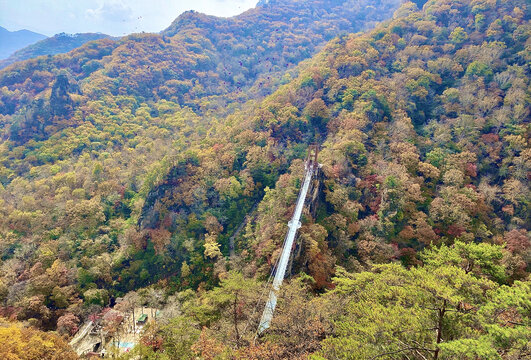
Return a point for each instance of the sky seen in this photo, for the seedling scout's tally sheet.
(113, 17)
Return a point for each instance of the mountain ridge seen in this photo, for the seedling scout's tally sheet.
(11, 41)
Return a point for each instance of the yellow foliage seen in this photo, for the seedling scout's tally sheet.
(212, 246)
(20, 343)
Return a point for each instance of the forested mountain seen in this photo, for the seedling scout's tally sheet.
(420, 243)
(201, 62)
(102, 122)
(11, 41)
(57, 44)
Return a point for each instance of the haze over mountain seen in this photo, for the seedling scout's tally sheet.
(57, 44)
(161, 170)
(11, 41)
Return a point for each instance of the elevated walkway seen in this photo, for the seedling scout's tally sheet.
(311, 167)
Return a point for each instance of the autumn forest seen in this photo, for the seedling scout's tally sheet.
(160, 171)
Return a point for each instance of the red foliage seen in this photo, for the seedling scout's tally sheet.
(153, 342)
(370, 182)
(518, 242)
(490, 138)
(455, 230)
(319, 271)
(373, 198)
(471, 170)
(407, 233)
(68, 324)
(9, 312)
(509, 209)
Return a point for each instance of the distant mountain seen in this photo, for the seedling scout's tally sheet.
(57, 44)
(11, 41)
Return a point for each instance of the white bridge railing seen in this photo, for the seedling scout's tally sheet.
(294, 225)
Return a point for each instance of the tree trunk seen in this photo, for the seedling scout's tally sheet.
(235, 310)
(439, 329)
(134, 322)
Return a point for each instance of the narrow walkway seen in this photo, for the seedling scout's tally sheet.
(294, 224)
(82, 333)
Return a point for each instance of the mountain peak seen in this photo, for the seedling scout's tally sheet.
(11, 41)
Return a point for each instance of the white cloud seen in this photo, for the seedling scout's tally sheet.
(110, 10)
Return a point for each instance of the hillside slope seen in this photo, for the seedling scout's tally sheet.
(424, 124)
(421, 239)
(423, 227)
